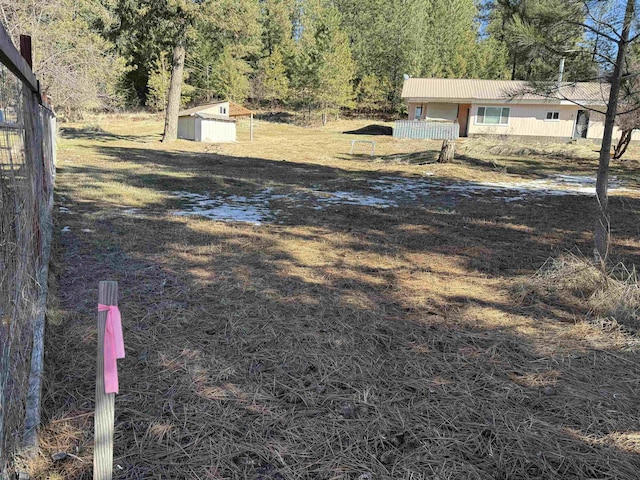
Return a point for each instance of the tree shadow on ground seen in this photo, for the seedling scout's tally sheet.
(276, 117)
(245, 346)
(374, 130)
(346, 341)
(410, 158)
(532, 229)
(533, 168)
(91, 133)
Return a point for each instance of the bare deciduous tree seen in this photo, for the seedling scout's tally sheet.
(74, 63)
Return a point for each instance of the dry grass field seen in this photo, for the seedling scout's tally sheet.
(369, 318)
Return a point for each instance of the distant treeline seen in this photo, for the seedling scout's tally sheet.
(309, 54)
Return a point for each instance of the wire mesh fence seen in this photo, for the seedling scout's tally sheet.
(27, 158)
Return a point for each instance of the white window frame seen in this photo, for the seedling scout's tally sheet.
(476, 120)
(415, 112)
(553, 113)
(223, 110)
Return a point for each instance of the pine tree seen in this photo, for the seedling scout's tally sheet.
(324, 67)
(372, 93)
(418, 37)
(274, 80)
(276, 19)
(158, 84)
(536, 38)
(227, 41)
(230, 78)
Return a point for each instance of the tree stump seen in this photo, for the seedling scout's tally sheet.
(447, 151)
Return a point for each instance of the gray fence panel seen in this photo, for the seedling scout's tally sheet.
(426, 130)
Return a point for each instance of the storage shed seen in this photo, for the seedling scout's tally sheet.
(207, 123)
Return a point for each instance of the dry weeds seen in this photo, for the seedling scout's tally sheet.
(612, 296)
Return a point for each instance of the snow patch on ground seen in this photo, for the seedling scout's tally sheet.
(232, 208)
(350, 198)
(555, 185)
(257, 208)
(386, 192)
(131, 211)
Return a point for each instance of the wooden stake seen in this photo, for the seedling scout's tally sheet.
(105, 402)
(25, 49)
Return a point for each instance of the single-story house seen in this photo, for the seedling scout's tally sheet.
(510, 108)
(207, 123)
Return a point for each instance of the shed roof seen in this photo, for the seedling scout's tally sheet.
(213, 116)
(474, 89)
(237, 110)
(192, 111)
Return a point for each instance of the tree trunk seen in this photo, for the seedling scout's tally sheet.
(623, 144)
(175, 90)
(324, 118)
(447, 151)
(602, 231)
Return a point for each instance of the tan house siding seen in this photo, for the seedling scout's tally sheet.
(524, 119)
(596, 128)
(218, 109)
(528, 120)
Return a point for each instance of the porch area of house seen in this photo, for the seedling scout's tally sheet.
(433, 120)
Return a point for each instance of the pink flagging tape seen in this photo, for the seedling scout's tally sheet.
(113, 346)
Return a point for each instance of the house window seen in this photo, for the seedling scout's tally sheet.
(553, 116)
(493, 116)
(418, 115)
(223, 110)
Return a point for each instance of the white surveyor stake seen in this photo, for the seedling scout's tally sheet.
(110, 348)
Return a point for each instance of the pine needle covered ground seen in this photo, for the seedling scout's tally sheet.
(376, 318)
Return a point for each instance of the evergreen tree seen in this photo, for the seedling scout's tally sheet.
(158, 84)
(276, 19)
(324, 67)
(273, 77)
(418, 37)
(537, 35)
(230, 79)
(372, 93)
(227, 40)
